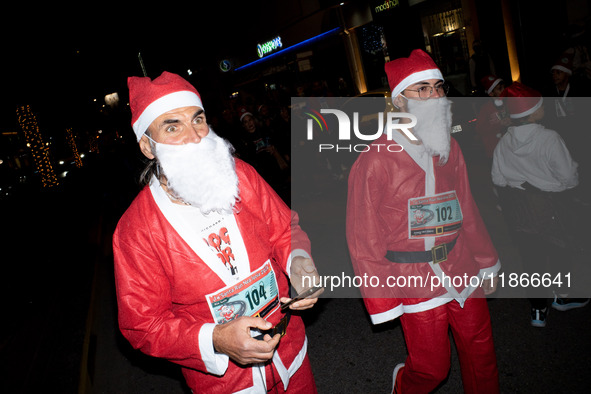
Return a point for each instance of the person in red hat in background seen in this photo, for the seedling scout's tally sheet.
(533, 169)
(393, 232)
(492, 120)
(560, 91)
(563, 88)
(566, 106)
(205, 253)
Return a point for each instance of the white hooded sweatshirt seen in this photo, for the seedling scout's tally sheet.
(531, 153)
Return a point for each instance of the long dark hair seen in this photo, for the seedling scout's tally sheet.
(152, 167)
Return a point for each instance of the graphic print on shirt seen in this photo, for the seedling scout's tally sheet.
(220, 242)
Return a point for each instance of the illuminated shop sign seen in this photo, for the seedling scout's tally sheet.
(292, 48)
(387, 5)
(269, 46)
(225, 65)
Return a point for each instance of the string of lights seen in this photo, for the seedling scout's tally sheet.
(34, 141)
(72, 144)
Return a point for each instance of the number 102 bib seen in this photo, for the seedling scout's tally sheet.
(434, 216)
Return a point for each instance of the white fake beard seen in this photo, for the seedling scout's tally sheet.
(203, 174)
(433, 126)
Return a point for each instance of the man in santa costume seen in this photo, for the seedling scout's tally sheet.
(386, 191)
(205, 253)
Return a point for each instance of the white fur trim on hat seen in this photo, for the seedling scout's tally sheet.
(244, 114)
(529, 111)
(563, 69)
(419, 76)
(494, 85)
(183, 98)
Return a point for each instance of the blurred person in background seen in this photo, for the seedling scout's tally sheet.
(533, 171)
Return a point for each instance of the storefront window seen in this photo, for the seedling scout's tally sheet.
(374, 53)
(444, 32)
(445, 39)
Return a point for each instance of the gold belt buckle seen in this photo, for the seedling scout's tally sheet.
(435, 250)
(281, 328)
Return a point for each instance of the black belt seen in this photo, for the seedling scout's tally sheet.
(437, 254)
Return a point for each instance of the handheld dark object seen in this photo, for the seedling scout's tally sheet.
(301, 296)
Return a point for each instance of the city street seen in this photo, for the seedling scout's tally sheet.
(60, 331)
(287, 83)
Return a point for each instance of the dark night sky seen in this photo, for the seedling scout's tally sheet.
(55, 61)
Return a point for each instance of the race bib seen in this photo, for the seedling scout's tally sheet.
(434, 216)
(255, 295)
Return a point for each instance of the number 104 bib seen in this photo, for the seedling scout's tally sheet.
(255, 295)
(434, 216)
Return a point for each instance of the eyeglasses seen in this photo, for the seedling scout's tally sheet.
(425, 92)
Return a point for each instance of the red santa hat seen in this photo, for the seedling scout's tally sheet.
(521, 101)
(149, 99)
(406, 71)
(242, 112)
(490, 82)
(564, 63)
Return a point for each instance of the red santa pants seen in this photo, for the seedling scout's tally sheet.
(427, 340)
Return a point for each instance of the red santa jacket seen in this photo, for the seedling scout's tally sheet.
(380, 186)
(162, 283)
